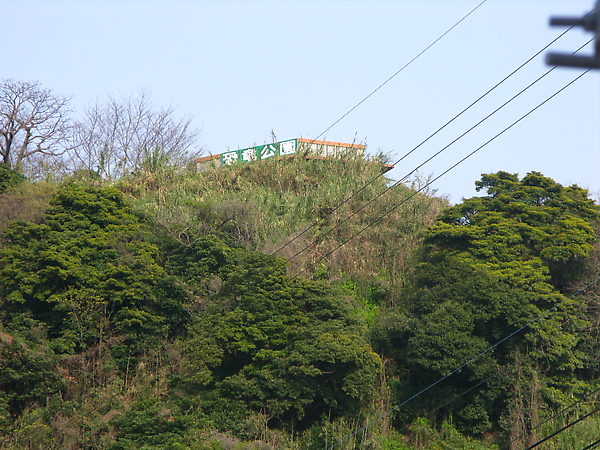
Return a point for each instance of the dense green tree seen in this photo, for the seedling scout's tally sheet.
(286, 348)
(9, 178)
(28, 368)
(153, 424)
(125, 330)
(521, 220)
(86, 272)
(490, 265)
(203, 264)
(82, 296)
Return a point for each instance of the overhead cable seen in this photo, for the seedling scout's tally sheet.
(592, 445)
(425, 186)
(456, 397)
(566, 408)
(472, 360)
(369, 96)
(426, 140)
(443, 149)
(557, 432)
(401, 69)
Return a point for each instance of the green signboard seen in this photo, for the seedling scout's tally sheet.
(260, 152)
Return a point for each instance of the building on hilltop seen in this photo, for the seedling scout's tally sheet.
(286, 149)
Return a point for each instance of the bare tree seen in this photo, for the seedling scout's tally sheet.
(34, 123)
(127, 134)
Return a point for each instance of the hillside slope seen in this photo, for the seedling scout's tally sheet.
(221, 310)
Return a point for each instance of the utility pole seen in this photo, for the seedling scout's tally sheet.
(591, 22)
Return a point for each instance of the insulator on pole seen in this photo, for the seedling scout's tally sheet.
(590, 22)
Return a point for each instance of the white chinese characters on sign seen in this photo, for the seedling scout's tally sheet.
(259, 152)
(268, 151)
(229, 157)
(287, 148)
(249, 154)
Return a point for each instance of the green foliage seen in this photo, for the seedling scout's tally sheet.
(288, 348)
(521, 220)
(161, 326)
(491, 265)
(577, 436)
(263, 206)
(451, 439)
(153, 424)
(203, 264)
(85, 272)
(9, 178)
(28, 367)
(340, 433)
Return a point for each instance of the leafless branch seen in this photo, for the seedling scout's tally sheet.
(33, 121)
(128, 134)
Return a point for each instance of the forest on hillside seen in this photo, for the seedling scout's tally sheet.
(170, 309)
(295, 303)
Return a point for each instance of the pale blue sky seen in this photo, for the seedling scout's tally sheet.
(244, 68)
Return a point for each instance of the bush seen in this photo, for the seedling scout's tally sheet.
(9, 178)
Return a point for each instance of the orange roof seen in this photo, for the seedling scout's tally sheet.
(208, 158)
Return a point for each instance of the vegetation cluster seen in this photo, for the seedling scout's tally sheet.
(283, 304)
(165, 311)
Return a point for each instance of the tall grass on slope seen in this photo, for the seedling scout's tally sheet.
(264, 205)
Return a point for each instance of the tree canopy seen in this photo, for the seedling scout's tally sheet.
(287, 348)
(142, 315)
(491, 265)
(83, 265)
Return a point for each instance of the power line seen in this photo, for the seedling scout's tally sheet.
(371, 94)
(557, 432)
(592, 445)
(401, 69)
(424, 141)
(472, 360)
(456, 397)
(452, 167)
(389, 211)
(554, 416)
(430, 158)
(404, 178)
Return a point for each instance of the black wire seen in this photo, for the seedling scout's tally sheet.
(405, 177)
(480, 355)
(557, 432)
(401, 69)
(592, 445)
(456, 397)
(385, 191)
(365, 99)
(502, 340)
(451, 400)
(423, 142)
(554, 416)
(389, 211)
